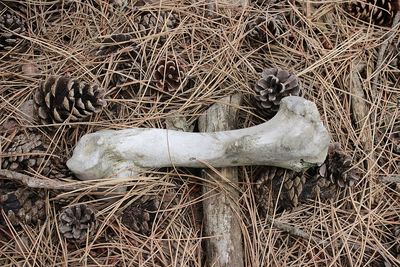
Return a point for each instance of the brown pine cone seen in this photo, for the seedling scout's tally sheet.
(274, 85)
(269, 2)
(396, 237)
(278, 187)
(263, 28)
(77, 223)
(338, 167)
(26, 152)
(155, 22)
(139, 216)
(113, 43)
(395, 138)
(22, 205)
(317, 187)
(125, 60)
(11, 25)
(380, 12)
(61, 98)
(170, 74)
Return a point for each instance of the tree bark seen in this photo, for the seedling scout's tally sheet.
(224, 246)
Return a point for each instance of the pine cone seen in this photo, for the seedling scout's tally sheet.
(124, 63)
(262, 28)
(139, 216)
(61, 98)
(22, 206)
(153, 23)
(396, 235)
(77, 222)
(27, 152)
(337, 167)
(269, 2)
(274, 85)
(170, 75)
(380, 12)
(113, 43)
(317, 187)
(10, 25)
(278, 187)
(395, 138)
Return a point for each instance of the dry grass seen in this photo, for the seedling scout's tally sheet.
(327, 47)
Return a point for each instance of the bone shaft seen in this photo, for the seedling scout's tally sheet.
(221, 212)
(295, 139)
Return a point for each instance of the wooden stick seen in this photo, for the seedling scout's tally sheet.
(221, 223)
(33, 182)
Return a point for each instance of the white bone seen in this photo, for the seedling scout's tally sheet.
(295, 139)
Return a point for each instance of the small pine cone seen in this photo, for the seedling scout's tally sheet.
(317, 187)
(395, 138)
(26, 152)
(22, 206)
(61, 98)
(124, 62)
(170, 74)
(10, 25)
(113, 43)
(269, 2)
(274, 85)
(278, 187)
(337, 167)
(58, 169)
(262, 28)
(139, 216)
(396, 235)
(153, 23)
(77, 223)
(380, 12)
(124, 68)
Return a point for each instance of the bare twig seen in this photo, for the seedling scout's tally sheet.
(35, 182)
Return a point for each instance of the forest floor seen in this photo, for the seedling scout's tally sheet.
(348, 67)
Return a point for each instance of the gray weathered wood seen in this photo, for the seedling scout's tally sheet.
(221, 224)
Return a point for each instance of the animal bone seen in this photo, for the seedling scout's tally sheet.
(295, 139)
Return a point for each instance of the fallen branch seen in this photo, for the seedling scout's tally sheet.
(33, 182)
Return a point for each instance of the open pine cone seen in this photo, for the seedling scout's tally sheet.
(170, 74)
(278, 187)
(61, 98)
(262, 28)
(338, 167)
(155, 22)
(22, 205)
(139, 216)
(395, 138)
(380, 12)
(124, 61)
(10, 26)
(274, 85)
(396, 239)
(317, 187)
(77, 223)
(26, 152)
(113, 43)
